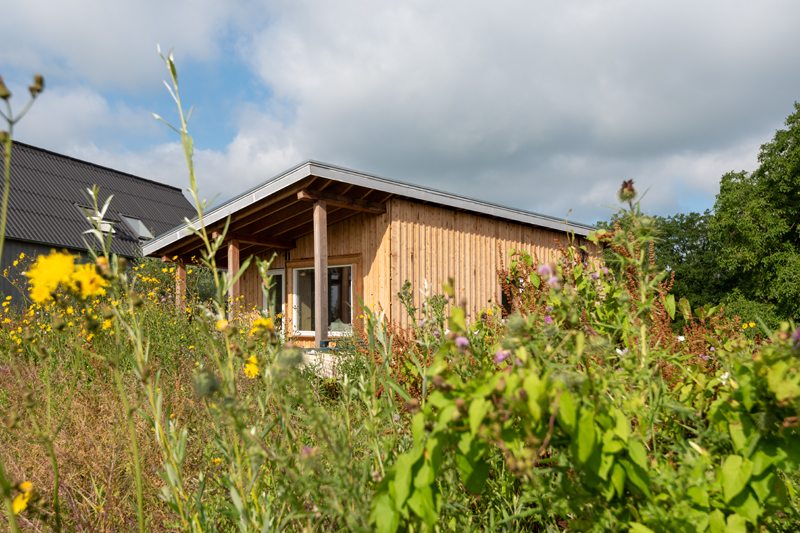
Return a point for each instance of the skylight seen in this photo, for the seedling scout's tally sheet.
(138, 227)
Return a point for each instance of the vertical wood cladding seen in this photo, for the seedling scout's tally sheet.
(419, 243)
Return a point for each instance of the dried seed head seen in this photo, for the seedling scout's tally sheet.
(627, 193)
(102, 268)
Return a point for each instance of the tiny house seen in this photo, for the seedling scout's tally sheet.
(339, 235)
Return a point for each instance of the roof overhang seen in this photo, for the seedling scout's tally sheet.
(281, 194)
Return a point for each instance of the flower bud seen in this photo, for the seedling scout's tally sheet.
(4, 137)
(38, 85)
(5, 94)
(108, 312)
(27, 335)
(122, 265)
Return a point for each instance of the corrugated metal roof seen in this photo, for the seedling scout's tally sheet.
(369, 181)
(47, 190)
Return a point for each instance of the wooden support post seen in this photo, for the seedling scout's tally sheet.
(233, 269)
(180, 285)
(320, 272)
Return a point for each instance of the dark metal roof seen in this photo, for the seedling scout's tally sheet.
(48, 189)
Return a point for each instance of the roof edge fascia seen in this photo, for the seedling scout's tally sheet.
(324, 170)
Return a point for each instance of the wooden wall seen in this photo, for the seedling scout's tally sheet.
(418, 243)
(432, 244)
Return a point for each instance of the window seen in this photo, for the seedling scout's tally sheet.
(274, 306)
(138, 227)
(340, 298)
(105, 225)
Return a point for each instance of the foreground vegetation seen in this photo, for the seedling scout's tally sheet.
(583, 410)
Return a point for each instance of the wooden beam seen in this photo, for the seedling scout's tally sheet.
(320, 273)
(233, 269)
(341, 201)
(257, 239)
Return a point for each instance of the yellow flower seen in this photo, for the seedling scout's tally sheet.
(222, 325)
(489, 312)
(752, 324)
(20, 503)
(15, 263)
(88, 282)
(47, 273)
(191, 347)
(8, 297)
(744, 326)
(107, 323)
(251, 368)
(216, 460)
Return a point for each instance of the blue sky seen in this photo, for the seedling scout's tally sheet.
(538, 105)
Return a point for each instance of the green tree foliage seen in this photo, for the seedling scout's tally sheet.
(746, 253)
(757, 224)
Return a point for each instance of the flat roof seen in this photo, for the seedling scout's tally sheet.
(396, 188)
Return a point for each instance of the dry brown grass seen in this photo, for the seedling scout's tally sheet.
(93, 448)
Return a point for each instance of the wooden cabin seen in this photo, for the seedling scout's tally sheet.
(338, 234)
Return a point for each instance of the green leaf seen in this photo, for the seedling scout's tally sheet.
(716, 521)
(764, 486)
(699, 496)
(477, 411)
(566, 412)
(474, 473)
(736, 524)
(685, 308)
(637, 478)
(536, 281)
(669, 305)
(384, 514)
(618, 479)
(586, 436)
(606, 463)
(636, 527)
(735, 474)
(637, 453)
(622, 427)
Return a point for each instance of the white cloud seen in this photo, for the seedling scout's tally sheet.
(543, 106)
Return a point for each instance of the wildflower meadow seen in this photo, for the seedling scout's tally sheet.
(596, 401)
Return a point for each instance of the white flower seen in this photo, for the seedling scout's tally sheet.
(681, 338)
(724, 377)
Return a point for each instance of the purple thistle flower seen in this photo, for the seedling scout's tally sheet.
(553, 282)
(595, 276)
(713, 349)
(462, 342)
(501, 355)
(548, 320)
(796, 336)
(436, 334)
(421, 323)
(548, 308)
(396, 417)
(519, 363)
(605, 270)
(705, 357)
(545, 271)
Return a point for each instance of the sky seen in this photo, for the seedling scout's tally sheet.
(542, 106)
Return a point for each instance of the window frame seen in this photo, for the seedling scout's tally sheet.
(296, 299)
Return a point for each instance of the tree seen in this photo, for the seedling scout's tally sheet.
(757, 225)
